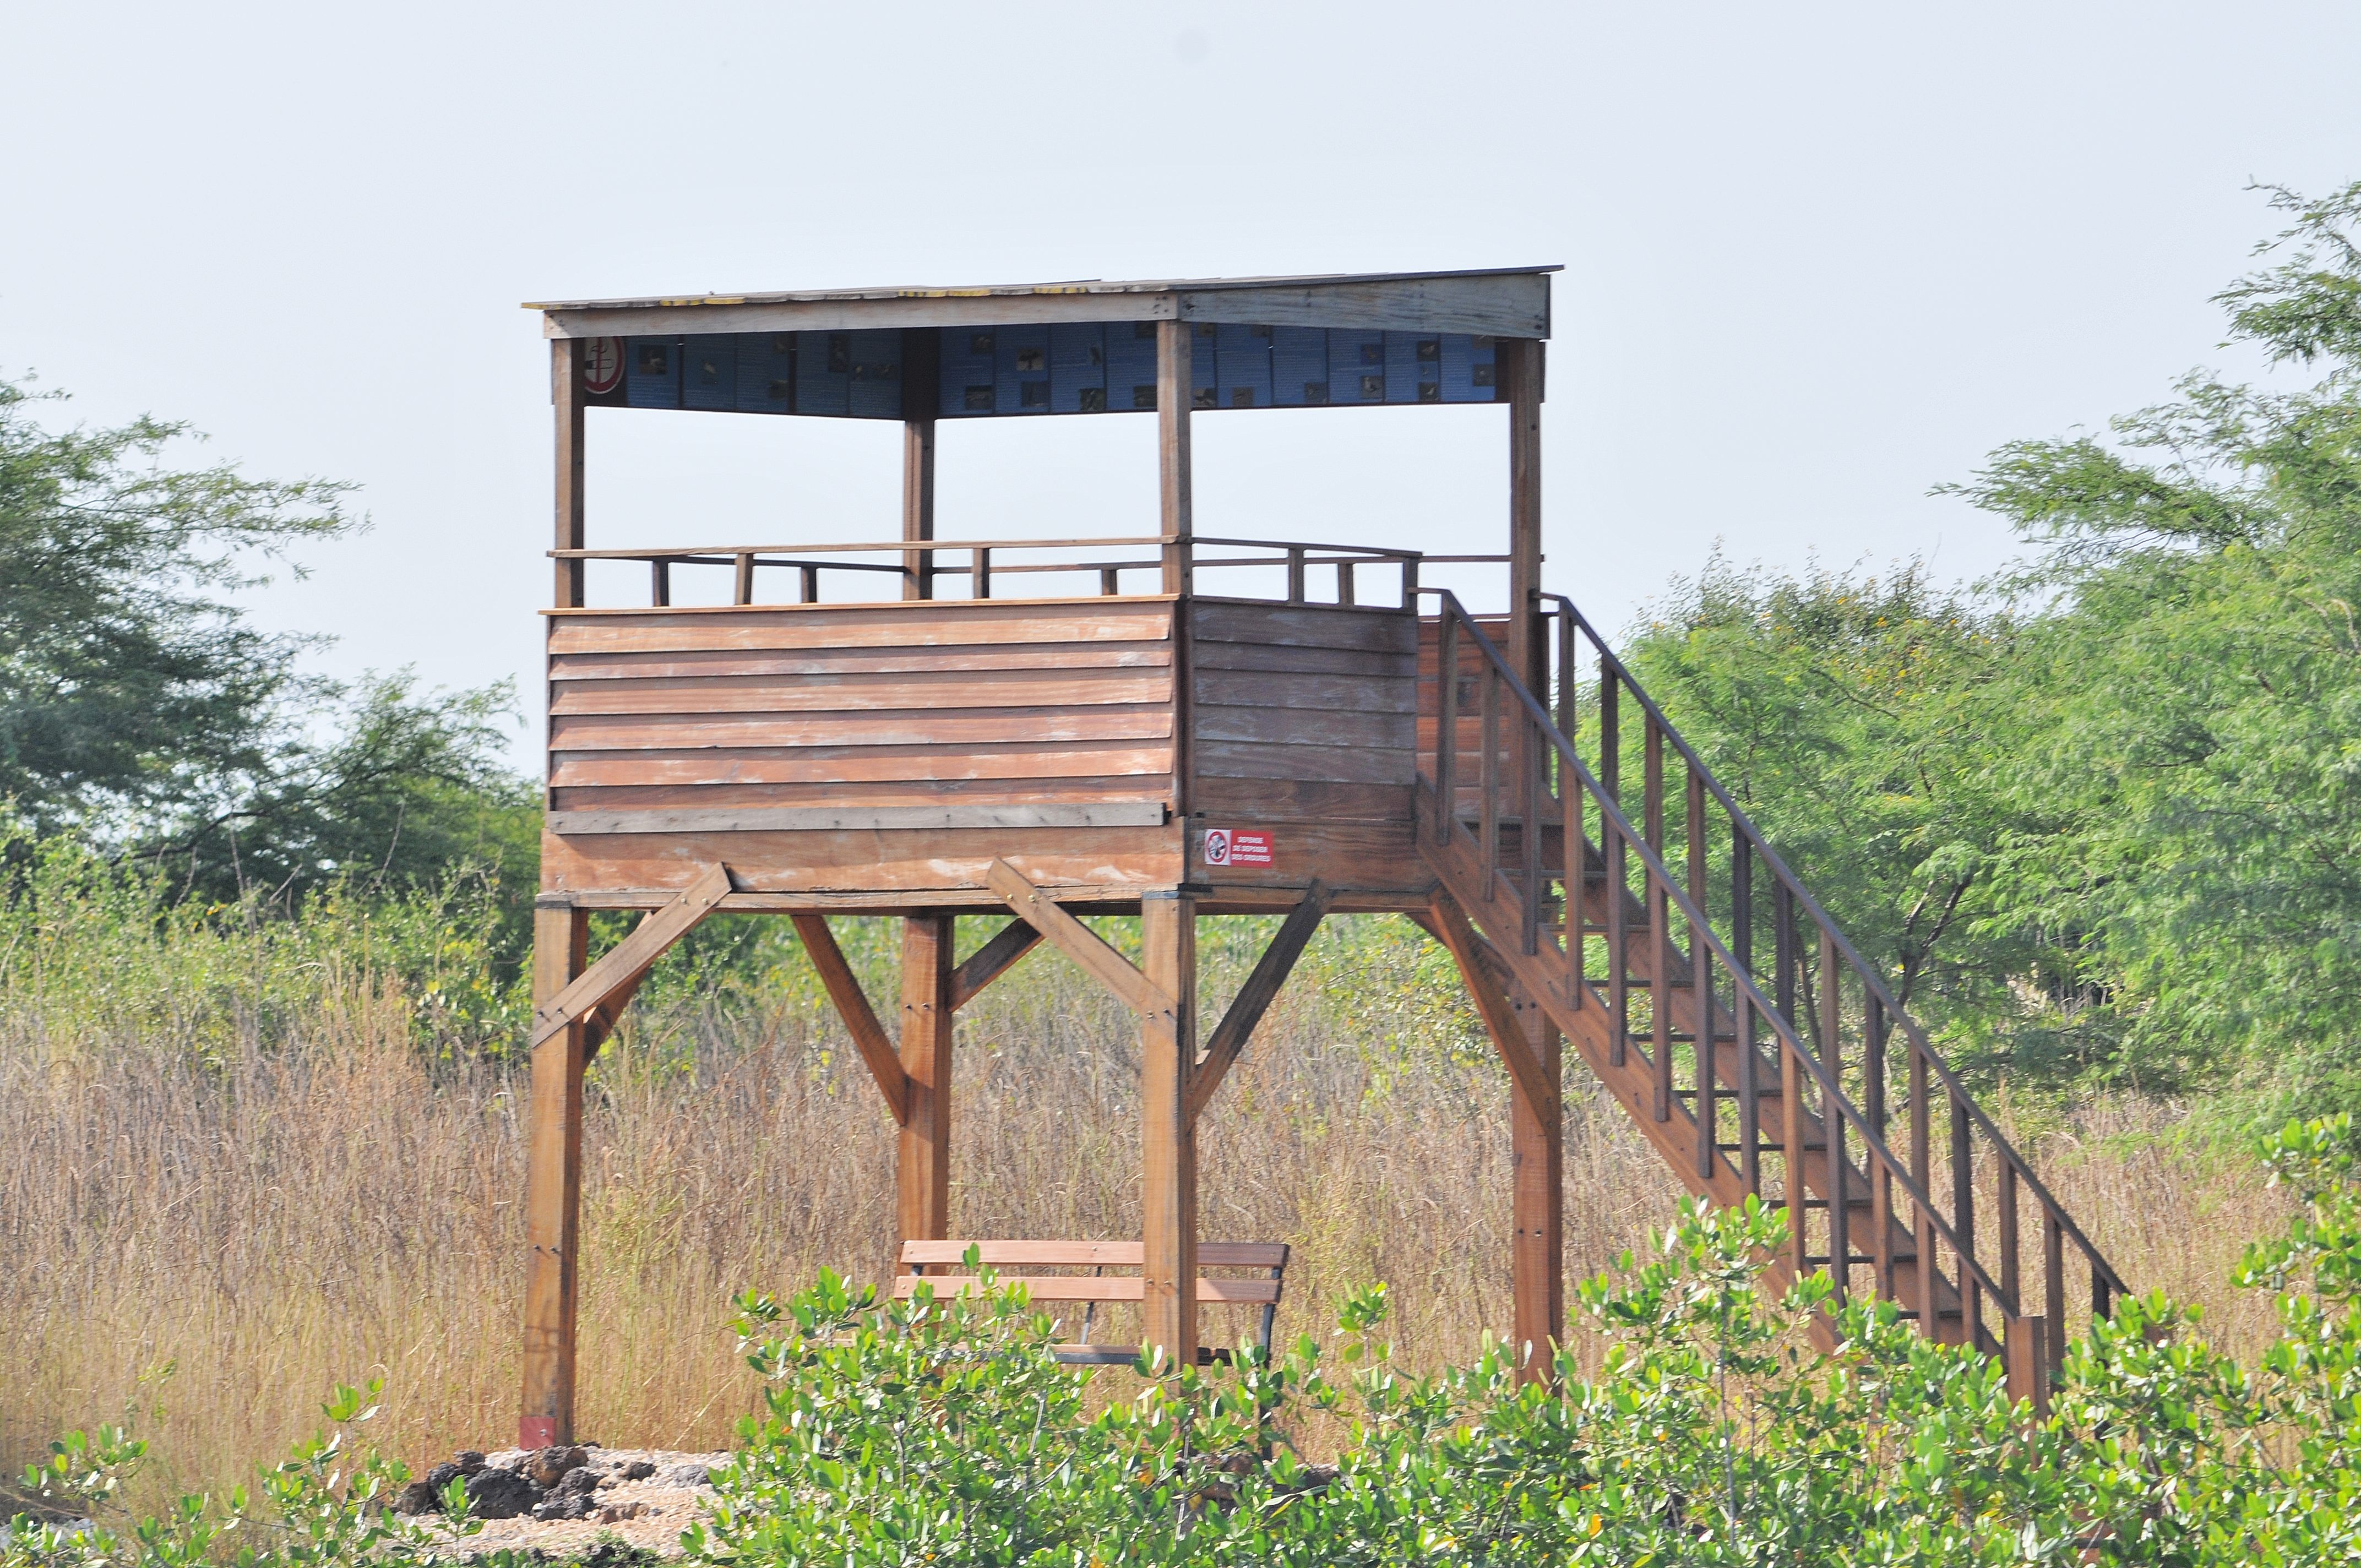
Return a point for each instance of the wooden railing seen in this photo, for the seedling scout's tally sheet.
(987, 559)
(1934, 1210)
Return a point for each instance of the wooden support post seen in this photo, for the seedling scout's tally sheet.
(566, 393)
(1520, 373)
(1537, 1145)
(561, 939)
(920, 357)
(924, 1175)
(1168, 1143)
(1175, 391)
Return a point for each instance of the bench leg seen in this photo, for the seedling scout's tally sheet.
(1168, 1143)
(924, 1173)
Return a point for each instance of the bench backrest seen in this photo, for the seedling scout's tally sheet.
(1010, 1257)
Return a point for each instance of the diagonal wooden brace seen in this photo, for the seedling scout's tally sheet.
(620, 970)
(1254, 997)
(1482, 972)
(1077, 941)
(859, 1018)
(992, 961)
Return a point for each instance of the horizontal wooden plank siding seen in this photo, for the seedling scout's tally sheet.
(1289, 696)
(674, 721)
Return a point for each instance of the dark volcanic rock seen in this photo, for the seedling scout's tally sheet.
(444, 1473)
(418, 1497)
(580, 1481)
(639, 1469)
(500, 1495)
(564, 1505)
(684, 1474)
(547, 1467)
(468, 1460)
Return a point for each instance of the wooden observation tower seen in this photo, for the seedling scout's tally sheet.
(1182, 725)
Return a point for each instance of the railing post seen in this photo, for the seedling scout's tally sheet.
(1963, 1219)
(1446, 724)
(1295, 577)
(1619, 942)
(1832, 1130)
(659, 581)
(981, 579)
(1345, 579)
(807, 583)
(745, 584)
(1110, 582)
(2023, 1357)
(2053, 1285)
(1533, 750)
(1741, 939)
(1488, 774)
(1701, 977)
(1881, 1176)
(1922, 1172)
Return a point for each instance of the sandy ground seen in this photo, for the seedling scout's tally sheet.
(650, 1513)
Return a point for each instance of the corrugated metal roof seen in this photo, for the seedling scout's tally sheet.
(1005, 291)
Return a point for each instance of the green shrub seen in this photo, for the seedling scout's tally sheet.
(943, 1431)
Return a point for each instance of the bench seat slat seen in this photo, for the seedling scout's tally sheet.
(1081, 1288)
(1091, 1255)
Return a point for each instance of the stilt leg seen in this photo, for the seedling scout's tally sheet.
(1168, 1143)
(924, 1173)
(553, 1188)
(1537, 1134)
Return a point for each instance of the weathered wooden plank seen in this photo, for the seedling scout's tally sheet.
(1091, 858)
(721, 662)
(985, 762)
(1088, 1253)
(1271, 972)
(1277, 658)
(914, 792)
(932, 623)
(843, 987)
(1368, 764)
(938, 309)
(1106, 1288)
(992, 961)
(865, 694)
(613, 732)
(839, 820)
(1232, 800)
(1345, 728)
(629, 959)
(1076, 940)
(1249, 688)
(1303, 626)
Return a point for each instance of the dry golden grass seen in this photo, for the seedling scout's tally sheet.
(338, 1205)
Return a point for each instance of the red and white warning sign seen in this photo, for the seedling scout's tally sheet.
(1227, 847)
(602, 365)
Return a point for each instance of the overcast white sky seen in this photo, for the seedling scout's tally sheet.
(1819, 257)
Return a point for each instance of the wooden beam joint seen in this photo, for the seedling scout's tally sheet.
(1079, 942)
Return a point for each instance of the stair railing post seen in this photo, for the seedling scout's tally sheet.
(1964, 1221)
(2012, 1284)
(1792, 1153)
(1533, 751)
(1659, 913)
(1616, 896)
(1742, 939)
(1701, 975)
(1489, 777)
(1922, 1172)
(1832, 1130)
(1880, 1174)
(1446, 725)
(2053, 1287)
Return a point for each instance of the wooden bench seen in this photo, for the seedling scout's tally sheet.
(1011, 1259)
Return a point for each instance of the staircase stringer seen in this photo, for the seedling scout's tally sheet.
(1545, 975)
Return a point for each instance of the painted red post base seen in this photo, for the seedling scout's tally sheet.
(536, 1432)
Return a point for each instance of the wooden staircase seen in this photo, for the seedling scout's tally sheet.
(1798, 1078)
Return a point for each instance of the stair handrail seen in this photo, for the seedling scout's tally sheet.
(1869, 978)
(1831, 1094)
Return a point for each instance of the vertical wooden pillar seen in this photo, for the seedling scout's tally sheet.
(1518, 376)
(1168, 1143)
(919, 506)
(565, 395)
(553, 1188)
(924, 1174)
(1537, 1134)
(1175, 392)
